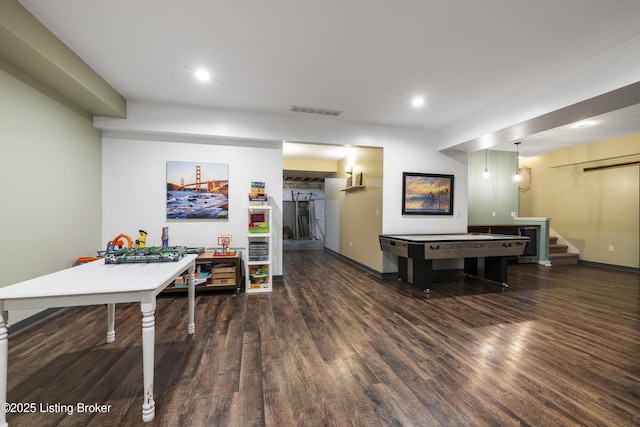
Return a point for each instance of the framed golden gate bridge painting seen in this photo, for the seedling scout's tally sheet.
(197, 190)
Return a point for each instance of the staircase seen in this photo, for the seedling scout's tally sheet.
(558, 254)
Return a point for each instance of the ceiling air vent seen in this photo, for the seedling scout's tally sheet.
(313, 110)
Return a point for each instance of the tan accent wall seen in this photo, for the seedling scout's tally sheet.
(361, 210)
(325, 166)
(595, 211)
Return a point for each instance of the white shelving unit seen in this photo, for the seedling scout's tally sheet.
(259, 266)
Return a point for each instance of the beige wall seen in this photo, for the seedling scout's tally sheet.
(592, 210)
(50, 170)
(324, 166)
(361, 210)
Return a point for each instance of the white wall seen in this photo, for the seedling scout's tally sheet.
(134, 191)
(50, 209)
(332, 187)
(408, 156)
(405, 150)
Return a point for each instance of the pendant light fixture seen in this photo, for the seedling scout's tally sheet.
(486, 173)
(516, 176)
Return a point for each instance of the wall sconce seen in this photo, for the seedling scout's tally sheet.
(516, 176)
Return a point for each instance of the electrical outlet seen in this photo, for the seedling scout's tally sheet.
(610, 248)
(493, 213)
(350, 243)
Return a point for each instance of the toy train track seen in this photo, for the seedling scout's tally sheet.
(146, 254)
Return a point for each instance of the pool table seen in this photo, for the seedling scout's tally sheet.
(485, 255)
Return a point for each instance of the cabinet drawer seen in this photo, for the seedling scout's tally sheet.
(223, 281)
(217, 270)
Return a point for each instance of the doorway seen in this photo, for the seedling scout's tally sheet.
(303, 217)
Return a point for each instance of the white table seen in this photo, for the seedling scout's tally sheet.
(99, 283)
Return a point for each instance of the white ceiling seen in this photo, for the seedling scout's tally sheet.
(625, 121)
(366, 58)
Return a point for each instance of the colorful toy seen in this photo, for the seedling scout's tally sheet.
(165, 236)
(142, 241)
(119, 242)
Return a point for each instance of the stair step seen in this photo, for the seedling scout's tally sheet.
(556, 248)
(563, 259)
(553, 240)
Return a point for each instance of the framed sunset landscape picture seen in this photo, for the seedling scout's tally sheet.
(427, 194)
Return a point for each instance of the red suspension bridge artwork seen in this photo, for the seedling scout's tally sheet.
(197, 190)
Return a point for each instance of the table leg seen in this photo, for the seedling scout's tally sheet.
(4, 359)
(495, 268)
(111, 323)
(472, 267)
(403, 269)
(422, 272)
(191, 327)
(148, 344)
(489, 268)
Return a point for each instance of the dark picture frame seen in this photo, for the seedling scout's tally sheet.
(427, 194)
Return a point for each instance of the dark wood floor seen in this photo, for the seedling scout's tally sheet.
(334, 346)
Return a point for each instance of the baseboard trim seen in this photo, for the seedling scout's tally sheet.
(359, 265)
(439, 275)
(610, 266)
(32, 321)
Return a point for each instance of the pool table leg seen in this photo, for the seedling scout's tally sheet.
(495, 268)
(418, 272)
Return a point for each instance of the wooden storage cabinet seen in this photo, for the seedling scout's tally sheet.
(221, 272)
(225, 271)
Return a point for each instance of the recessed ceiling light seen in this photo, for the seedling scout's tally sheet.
(202, 75)
(583, 124)
(417, 102)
